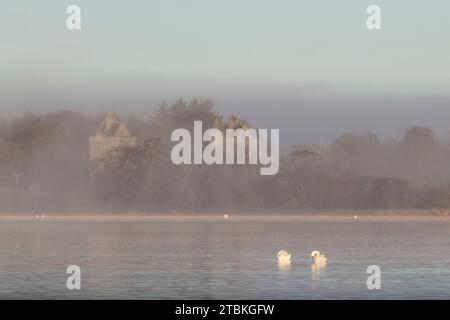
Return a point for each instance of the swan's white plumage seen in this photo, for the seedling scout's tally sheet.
(318, 259)
(284, 257)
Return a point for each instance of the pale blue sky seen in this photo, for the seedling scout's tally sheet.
(284, 41)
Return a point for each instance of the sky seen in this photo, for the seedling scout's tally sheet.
(250, 40)
(237, 52)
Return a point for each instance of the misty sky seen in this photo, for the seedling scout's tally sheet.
(308, 60)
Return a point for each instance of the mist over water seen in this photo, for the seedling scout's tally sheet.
(61, 162)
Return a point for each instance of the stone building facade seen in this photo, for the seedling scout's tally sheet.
(112, 133)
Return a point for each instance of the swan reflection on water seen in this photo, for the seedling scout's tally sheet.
(315, 272)
(319, 263)
(284, 266)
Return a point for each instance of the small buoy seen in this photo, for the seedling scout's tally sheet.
(355, 217)
(225, 216)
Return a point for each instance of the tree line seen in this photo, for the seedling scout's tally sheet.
(44, 166)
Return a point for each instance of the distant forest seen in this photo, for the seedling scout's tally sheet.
(44, 166)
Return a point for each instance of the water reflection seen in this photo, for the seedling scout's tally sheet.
(316, 269)
(203, 259)
(284, 266)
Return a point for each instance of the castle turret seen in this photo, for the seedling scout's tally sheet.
(112, 133)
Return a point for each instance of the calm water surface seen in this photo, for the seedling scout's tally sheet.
(223, 259)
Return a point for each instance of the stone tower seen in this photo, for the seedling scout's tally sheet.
(111, 133)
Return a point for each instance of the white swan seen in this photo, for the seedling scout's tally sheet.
(284, 257)
(318, 259)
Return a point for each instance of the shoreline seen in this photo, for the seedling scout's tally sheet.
(325, 216)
